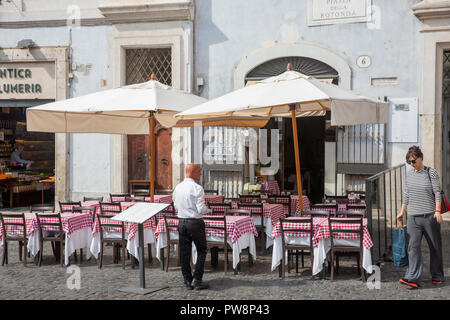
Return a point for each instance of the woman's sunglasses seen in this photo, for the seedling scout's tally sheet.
(410, 161)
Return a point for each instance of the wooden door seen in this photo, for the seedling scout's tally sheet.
(163, 157)
(138, 157)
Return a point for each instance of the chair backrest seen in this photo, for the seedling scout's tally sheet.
(110, 208)
(135, 199)
(284, 200)
(302, 225)
(104, 221)
(249, 197)
(356, 207)
(141, 192)
(353, 213)
(67, 206)
(215, 192)
(99, 199)
(315, 213)
(170, 227)
(230, 200)
(91, 210)
(163, 191)
(340, 226)
(256, 209)
(14, 225)
(331, 207)
(219, 207)
(338, 199)
(214, 225)
(239, 212)
(51, 220)
(41, 208)
(117, 197)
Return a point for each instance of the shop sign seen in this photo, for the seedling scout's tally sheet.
(322, 12)
(34, 80)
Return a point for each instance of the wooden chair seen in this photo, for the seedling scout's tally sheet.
(21, 238)
(352, 214)
(230, 200)
(239, 212)
(104, 221)
(171, 241)
(338, 199)
(219, 208)
(213, 192)
(336, 248)
(302, 247)
(315, 213)
(257, 210)
(249, 197)
(99, 199)
(41, 208)
(117, 197)
(354, 207)
(141, 192)
(163, 191)
(216, 244)
(91, 210)
(110, 208)
(135, 199)
(330, 207)
(284, 200)
(58, 233)
(67, 206)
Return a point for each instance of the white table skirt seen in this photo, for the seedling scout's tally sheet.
(247, 240)
(132, 245)
(79, 239)
(320, 252)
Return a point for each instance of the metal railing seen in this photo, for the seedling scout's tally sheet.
(383, 203)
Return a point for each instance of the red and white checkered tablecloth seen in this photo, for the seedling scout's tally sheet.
(295, 206)
(276, 232)
(273, 211)
(323, 232)
(271, 186)
(236, 227)
(130, 228)
(213, 198)
(70, 223)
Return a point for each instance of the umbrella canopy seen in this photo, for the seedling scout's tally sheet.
(292, 94)
(123, 110)
(272, 97)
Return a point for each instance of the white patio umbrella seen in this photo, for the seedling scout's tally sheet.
(292, 94)
(125, 110)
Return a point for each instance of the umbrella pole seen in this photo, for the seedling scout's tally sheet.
(152, 156)
(297, 157)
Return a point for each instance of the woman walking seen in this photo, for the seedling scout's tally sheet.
(422, 203)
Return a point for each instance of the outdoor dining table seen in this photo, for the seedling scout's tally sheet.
(321, 242)
(271, 186)
(241, 233)
(273, 212)
(77, 228)
(131, 234)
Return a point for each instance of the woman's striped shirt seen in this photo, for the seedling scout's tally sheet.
(421, 191)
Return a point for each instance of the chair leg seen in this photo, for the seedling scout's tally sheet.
(81, 255)
(337, 263)
(363, 277)
(303, 260)
(332, 266)
(75, 256)
(61, 253)
(150, 258)
(5, 251)
(357, 262)
(101, 256)
(53, 248)
(167, 258)
(40, 253)
(226, 259)
(123, 254)
(25, 253)
(20, 250)
(296, 261)
(283, 265)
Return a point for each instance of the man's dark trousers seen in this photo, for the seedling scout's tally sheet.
(192, 230)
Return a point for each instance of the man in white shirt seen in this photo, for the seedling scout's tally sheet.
(189, 201)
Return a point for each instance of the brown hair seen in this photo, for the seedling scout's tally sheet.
(415, 152)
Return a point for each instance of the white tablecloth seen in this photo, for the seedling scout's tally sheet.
(320, 252)
(132, 245)
(247, 240)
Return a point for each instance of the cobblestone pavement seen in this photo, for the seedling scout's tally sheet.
(51, 281)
